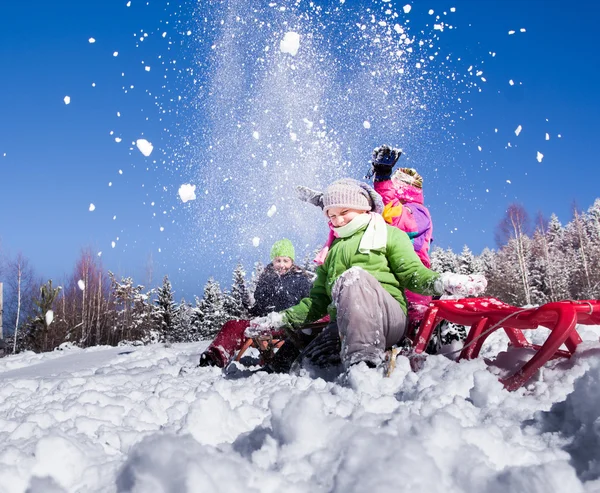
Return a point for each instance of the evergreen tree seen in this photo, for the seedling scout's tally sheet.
(211, 310)
(259, 268)
(538, 269)
(39, 324)
(582, 285)
(184, 329)
(443, 260)
(466, 262)
(554, 232)
(238, 302)
(486, 262)
(165, 311)
(134, 311)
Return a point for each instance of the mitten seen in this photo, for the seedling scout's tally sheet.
(384, 160)
(460, 284)
(264, 325)
(313, 197)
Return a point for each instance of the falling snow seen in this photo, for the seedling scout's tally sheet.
(290, 43)
(187, 192)
(144, 146)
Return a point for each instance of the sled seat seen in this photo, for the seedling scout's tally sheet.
(486, 315)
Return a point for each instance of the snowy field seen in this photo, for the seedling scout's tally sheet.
(124, 419)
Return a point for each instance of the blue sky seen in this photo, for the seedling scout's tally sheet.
(246, 125)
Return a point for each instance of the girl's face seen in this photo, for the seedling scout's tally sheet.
(340, 216)
(282, 264)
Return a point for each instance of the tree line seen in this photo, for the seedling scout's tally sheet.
(95, 307)
(538, 262)
(533, 264)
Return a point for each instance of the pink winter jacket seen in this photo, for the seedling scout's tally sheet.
(404, 209)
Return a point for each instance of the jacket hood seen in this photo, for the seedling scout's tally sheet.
(408, 193)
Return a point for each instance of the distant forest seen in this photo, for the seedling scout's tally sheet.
(534, 263)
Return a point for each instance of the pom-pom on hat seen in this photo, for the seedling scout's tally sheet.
(283, 248)
(408, 176)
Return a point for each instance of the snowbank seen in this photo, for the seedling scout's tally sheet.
(124, 419)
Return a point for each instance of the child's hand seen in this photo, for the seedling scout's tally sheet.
(264, 325)
(384, 160)
(461, 284)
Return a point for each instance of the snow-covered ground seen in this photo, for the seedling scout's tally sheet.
(124, 419)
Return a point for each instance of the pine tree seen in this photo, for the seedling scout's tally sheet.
(39, 325)
(238, 302)
(134, 313)
(538, 269)
(486, 262)
(165, 311)
(466, 261)
(183, 326)
(444, 260)
(212, 310)
(258, 270)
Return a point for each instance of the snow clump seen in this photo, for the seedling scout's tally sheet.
(67, 99)
(290, 43)
(187, 192)
(539, 156)
(144, 146)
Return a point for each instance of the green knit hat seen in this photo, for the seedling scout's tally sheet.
(283, 248)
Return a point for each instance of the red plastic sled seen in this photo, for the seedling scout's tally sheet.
(485, 315)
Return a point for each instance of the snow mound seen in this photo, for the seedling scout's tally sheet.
(125, 419)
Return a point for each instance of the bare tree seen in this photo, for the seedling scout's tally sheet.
(85, 304)
(22, 287)
(516, 226)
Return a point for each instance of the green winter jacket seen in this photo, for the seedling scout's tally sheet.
(397, 268)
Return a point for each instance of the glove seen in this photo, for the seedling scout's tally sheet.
(384, 160)
(460, 284)
(264, 325)
(313, 197)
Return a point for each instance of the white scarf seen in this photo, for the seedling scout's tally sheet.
(375, 237)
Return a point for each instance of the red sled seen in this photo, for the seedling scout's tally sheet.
(486, 315)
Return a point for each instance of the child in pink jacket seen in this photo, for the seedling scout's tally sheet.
(402, 194)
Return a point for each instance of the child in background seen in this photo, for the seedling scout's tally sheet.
(402, 194)
(362, 280)
(282, 284)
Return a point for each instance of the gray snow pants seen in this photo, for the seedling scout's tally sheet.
(369, 320)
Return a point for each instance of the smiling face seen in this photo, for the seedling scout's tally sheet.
(282, 264)
(340, 216)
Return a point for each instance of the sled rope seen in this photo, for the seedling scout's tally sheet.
(591, 312)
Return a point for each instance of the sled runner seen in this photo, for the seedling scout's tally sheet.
(485, 315)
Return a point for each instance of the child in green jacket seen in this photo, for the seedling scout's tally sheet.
(362, 280)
